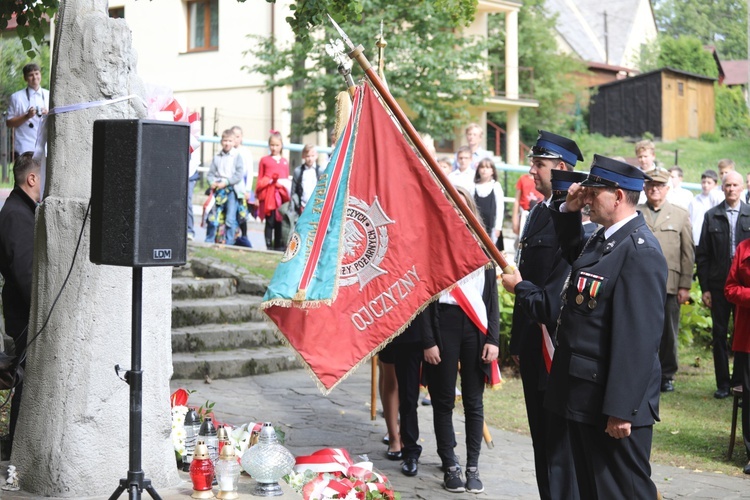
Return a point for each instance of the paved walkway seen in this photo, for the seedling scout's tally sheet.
(311, 421)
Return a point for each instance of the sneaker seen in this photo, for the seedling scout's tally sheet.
(473, 484)
(452, 480)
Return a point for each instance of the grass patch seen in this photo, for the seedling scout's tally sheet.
(260, 263)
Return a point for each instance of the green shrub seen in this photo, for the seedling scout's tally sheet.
(732, 117)
(506, 301)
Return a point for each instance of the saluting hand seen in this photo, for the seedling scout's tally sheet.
(574, 201)
(617, 428)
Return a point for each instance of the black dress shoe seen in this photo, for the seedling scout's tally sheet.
(721, 393)
(746, 469)
(393, 455)
(410, 467)
(667, 386)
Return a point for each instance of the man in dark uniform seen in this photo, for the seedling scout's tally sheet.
(724, 227)
(16, 255)
(538, 248)
(605, 376)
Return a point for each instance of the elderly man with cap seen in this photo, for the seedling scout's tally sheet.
(606, 374)
(538, 253)
(671, 226)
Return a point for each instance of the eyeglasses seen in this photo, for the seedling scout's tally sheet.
(655, 185)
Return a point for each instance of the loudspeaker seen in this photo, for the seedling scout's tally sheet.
(139, 179)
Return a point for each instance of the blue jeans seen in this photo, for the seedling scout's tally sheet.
(191, 187)
(230, 221)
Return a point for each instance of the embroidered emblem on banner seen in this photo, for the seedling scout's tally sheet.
(365, 242)
(292, 248)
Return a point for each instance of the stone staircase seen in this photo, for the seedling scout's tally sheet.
(218, 329)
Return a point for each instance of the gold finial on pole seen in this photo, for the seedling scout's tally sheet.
(381, 44)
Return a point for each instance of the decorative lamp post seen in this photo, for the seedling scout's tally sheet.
(202, 472)
(228, 473)
(267, 462)
(192, 428)
(209, 437)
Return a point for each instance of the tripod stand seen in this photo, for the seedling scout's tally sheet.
(136, 481)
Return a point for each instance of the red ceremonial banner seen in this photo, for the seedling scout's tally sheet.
(403, 243)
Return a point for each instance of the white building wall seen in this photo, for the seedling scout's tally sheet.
(213, 80)
(643, 31)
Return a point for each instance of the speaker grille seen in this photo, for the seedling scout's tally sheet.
(139, 193)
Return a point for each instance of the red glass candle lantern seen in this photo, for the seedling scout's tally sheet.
(201, 472)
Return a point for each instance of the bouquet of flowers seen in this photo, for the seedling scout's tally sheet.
(330, 474)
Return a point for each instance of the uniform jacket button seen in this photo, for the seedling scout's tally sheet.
(635, 412)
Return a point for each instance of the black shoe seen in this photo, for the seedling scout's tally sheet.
(410, 467)
(426, 401)
(721, 393)
(667, 386)
(746, 469)
(473, 484)
(452, 480)
(393, 455)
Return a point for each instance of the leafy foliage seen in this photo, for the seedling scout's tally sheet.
(732, 118)
(310, 14)
(695, 320)
(721, 23)
(552, 81)
(687, 53)
(428, 66)
(32, 17)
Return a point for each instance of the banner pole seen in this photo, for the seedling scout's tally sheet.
(357, 53)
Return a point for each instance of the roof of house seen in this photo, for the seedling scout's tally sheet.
(627, 81)
(735, 72)
(581, 25)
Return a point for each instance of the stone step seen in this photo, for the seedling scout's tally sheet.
(182, 271)
(247, 282)
(235, 309)
(234, 363)
(214, 337)
(197, 288)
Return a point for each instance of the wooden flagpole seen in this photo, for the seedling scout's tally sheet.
(357, 53)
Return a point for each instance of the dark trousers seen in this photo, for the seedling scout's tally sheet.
(273, 232)
(460, 342)
(19, 346)
(721, 309)
(553, 459)
(612, 469)
(668, 346)
(408, 361)
(742, 373)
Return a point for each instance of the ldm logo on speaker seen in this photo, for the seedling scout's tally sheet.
(162, 253)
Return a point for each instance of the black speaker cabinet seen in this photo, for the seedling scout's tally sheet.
(139, 193)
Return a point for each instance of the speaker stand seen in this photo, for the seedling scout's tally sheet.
(136, 481)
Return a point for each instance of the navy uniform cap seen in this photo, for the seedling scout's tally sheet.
(562, 179)
(606, 172)
(549, 145)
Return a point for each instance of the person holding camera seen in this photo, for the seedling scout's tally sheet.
(26, 109)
